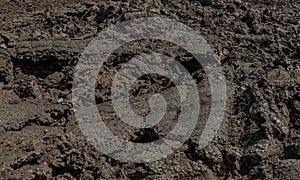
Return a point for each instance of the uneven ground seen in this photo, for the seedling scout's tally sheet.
(257, 43)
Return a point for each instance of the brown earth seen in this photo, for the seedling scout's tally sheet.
(257, 43)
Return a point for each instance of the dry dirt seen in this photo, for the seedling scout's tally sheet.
(257, 43)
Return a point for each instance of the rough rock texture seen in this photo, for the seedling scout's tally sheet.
(257, 43)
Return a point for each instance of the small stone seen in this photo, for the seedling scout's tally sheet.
(63, 35)
(37, 34)
(238, 1)
(3, 46)
(60, 100)
(155, 10)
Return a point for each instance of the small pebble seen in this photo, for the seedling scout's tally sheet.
(3, 46)
(60, 100)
